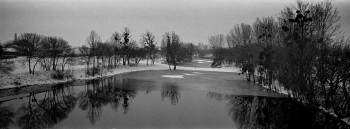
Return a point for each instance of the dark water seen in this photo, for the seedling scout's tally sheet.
(122, 102)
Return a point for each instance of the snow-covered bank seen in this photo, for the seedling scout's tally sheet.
(278, 88)
(16, 80)
(20, 79)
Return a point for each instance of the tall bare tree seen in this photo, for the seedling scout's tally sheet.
(116, 40)
(92, 40)
(148, 41)
(28, 45)
(171, 46)
(55, 48)
(126, 37)
(266, 34)
(217, 41)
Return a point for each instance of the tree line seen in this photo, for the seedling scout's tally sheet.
(53, 53)
(303, 50)
(121, 49)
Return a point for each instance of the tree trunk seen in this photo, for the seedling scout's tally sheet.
(248, 78)
(270, 78)
(147, 60)
(124, 60)
(175, 64)
(35, 65)
(93, 66)
(128, 61)
(53, 64)
(115, 60)
(30, 69)
(253, 77)
(63, 66)
(118, 61)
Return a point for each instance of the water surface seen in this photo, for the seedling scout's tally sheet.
(148, 100)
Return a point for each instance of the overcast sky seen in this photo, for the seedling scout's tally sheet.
(193, 20)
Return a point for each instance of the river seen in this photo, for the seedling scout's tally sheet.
(148, 99)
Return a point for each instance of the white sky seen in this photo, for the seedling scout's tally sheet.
(193, 20)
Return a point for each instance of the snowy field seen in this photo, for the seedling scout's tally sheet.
(21, 77)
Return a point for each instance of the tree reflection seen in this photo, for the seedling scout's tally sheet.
(90, 102)
(171, 92)
(46, 112)
(216, 96)
(6, 116)
(103, 92)
(252, 112)
(56, 108)
(30, 116)
(120, 99)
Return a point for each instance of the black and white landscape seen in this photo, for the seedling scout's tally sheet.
(242, 64)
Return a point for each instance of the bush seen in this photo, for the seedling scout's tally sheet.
(60, 75)
(90, 71)
(69, 74)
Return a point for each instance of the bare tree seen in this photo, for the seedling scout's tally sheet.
(172, 46)
(266, 32)
(92, 40)
(54, 48)
(217, 41)
(148, 41)
(27, 45)
(86, 55)
(116, 40)
(126, 37)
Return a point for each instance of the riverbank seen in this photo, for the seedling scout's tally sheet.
(41, 77)
(18, 80)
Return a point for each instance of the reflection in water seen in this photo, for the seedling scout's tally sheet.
(47, 112)
(171, 92)
(215, 95)
(6, 116)
(251, 112)
(103, 92)
(47, 109)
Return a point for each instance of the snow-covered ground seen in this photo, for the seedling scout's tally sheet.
(20, 76)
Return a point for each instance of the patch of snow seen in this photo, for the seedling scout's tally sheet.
(173, 76)
(188, 74)
(198, 60)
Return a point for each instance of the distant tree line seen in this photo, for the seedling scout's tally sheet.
(304, 50)
(202, 50)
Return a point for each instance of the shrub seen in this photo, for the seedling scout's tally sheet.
(90, 71)
(69, 74)
(60, 75)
